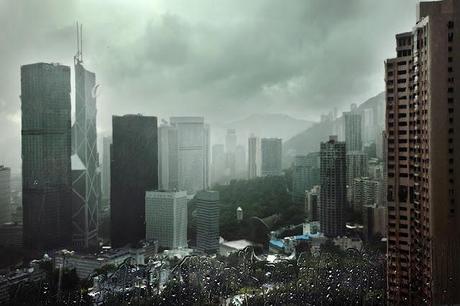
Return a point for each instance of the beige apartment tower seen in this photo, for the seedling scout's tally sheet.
(423, 162)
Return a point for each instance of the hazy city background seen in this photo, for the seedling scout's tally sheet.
(226, 61)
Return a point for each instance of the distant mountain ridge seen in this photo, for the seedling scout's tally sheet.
(309, 140)
(270, 125)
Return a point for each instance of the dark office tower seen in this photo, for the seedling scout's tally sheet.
(86, 181)
(423, 168)
(46, 150)
(333, 187)
(207, 221)
(134, 170)
(271, 149)
(353, 131)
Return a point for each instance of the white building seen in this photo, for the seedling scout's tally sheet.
(166, 218)
(228, 247)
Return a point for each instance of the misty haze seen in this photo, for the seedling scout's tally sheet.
(261, 152)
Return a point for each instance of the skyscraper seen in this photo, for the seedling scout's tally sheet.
(271, 149)
(312, 203)
(254, 157)
(106, 144)
(46, 150)
(168, 171)
(230, 148)
(422, 122)
(301, 178)
(134, 170)
(333, 187)
(86, 186)
(207, 221)
(356, 167)
(192, 153)
(218, 163)
(166, 218)
(240, 162)
(5, 194)
(366, 191)
(353, 131)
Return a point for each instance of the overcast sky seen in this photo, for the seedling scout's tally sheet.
(220, 59)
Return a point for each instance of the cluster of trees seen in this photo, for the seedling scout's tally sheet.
(260, 197)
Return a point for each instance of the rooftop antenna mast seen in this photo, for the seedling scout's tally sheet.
(78, 58)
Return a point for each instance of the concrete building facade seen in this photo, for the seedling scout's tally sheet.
(166, 218)
(254, 157)
(207, 221)
(423, 147)
(353, 131)
(271, 149)
(333, 187)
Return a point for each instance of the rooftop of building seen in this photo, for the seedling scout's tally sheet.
(237, 244)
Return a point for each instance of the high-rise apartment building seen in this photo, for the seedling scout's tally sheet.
(302, 178)
(5, 194)
(46, 151)
(192, 153)
(353, 131)
(207, 221)
(271, 150)
(166, 218)
(356, 167)
(134, 170)
(312, 203)
(422, 122)
(366, 191)
(86, 185)
(333, 181)
(374, 221)
(253, 157)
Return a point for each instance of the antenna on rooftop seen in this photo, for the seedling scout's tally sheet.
(78, 58)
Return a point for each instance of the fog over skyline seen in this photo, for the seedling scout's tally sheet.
(222, 60)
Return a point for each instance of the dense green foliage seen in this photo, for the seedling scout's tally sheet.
(259, 197)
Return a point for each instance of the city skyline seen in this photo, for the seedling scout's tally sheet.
(298, 93)
(251, 176)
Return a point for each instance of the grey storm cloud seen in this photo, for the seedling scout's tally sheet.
(220, 59)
